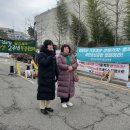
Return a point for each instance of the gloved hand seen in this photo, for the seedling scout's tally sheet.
(50, 58)
(53, 53)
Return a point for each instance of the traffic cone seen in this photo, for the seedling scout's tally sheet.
(11, 69)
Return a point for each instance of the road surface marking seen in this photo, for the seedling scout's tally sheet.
(28, 80)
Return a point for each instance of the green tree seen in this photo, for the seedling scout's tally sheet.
(127, 20)
(79, 35)
(106, 33)
(92, 44)
(99, 23)
(31, 32)
(62, 20)
(116, 9)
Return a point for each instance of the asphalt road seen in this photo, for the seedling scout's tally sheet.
(98, 105)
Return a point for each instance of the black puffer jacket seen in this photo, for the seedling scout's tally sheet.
(47, 74)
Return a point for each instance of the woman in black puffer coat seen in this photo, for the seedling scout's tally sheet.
(47, 76)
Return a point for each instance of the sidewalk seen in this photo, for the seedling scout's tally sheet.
(116, 81)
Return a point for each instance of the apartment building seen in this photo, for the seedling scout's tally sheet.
(15, 35)
(46, 21)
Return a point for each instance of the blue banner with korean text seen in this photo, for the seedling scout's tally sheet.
(115, 54)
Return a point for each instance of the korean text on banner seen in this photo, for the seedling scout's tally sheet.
(118, 54)
(17, 46)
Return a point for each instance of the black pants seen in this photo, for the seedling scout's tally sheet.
(65, 99)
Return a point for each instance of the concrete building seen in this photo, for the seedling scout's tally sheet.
(15, 35)
(46, 26)
(46, 21)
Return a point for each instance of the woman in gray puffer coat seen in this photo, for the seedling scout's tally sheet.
(67, 64)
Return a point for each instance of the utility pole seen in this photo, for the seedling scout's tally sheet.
(35, 34)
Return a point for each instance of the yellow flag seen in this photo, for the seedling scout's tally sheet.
(35, 66)
(18, 68)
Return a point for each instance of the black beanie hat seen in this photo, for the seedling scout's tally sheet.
(47, 42)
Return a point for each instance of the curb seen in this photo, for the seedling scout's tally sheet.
(115, 81)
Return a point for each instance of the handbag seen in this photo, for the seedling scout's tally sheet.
(76, 77)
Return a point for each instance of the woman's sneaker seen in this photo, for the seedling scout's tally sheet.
(64, 105)
(70, 104)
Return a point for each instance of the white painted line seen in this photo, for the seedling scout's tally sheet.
(31, 81)
(28, 79)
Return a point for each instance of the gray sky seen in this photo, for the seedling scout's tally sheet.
(19, 14)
